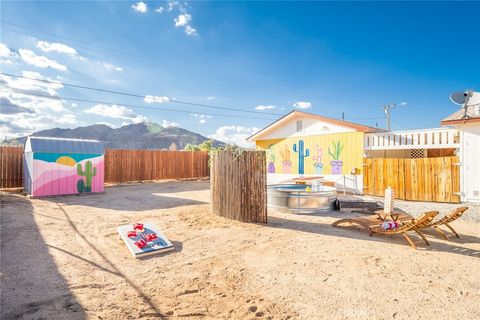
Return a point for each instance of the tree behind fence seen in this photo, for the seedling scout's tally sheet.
(120, 165)
(238, 184)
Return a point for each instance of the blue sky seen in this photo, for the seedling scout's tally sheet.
(324, 57)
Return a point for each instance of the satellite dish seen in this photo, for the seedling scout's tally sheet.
(459, 97)
(465, 99)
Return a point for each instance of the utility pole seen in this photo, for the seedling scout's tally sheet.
(387, 108)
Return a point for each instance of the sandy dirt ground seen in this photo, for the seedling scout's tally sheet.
(61, 259)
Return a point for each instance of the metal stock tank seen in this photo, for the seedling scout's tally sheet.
(295, 199)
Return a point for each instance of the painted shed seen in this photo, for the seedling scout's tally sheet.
(55, 166)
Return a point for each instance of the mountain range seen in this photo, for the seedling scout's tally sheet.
(134, 136)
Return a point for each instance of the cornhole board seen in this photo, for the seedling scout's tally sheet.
(159, 245)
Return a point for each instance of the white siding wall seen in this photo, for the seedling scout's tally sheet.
(470, 162)
(311, 127)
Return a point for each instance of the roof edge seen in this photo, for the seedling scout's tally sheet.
(64, 139)
(338, 122)
(459, 121)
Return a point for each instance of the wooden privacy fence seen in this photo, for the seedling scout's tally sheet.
(140, 165)
(423, 179)
(11, 171)
(120, 165)
(238, 183)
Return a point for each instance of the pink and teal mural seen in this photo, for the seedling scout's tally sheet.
(66, 173)
(335, 153)
(302, 154)
(271, 159)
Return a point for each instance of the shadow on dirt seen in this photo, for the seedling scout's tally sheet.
(32, 287)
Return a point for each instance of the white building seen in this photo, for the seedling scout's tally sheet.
(467, 123)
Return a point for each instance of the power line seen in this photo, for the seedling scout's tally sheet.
(102, 48)
(361, 118)
(400, 124)
(138, 95)
(129, 105)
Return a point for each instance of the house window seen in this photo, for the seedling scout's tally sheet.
(299, 126)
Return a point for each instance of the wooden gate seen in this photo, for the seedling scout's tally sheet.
(423, 179)
(11, 167)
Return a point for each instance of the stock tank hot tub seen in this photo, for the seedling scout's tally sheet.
(295, 199)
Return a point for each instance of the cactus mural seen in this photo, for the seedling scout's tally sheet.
(317, 158)
(271, 159)
(286, 162)
(336, 163)
(301, 155)
(85, 186)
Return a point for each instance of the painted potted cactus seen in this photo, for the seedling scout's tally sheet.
(286, 162)
(302, 154)
(89, 173)
(271, 159)
(336, 163)
(317, 158)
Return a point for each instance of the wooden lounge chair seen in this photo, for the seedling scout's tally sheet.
(452, 216)
(408, 226)
(371, 220)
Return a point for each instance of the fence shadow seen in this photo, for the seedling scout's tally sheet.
(362, 234)
(140, 197)
(32, 286)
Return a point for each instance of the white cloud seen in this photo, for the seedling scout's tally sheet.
(168, 124)
(262, 107)
(190, 31)
(65, 119)
(111, 67)
(234, 135)
(156, 99)
(108, 124)
(21, 124)
(29, 85)
(6, 55)
(11, 107)
(160, 9)
(32, 58)
(74, 104)
(182, 20)
(16, 125)
(302, 105)
(56, 47)
(211, 98)
(140, 7)
(202, 117)
(29, 93)
(116, 111)
(5, 51)
(172, 4)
